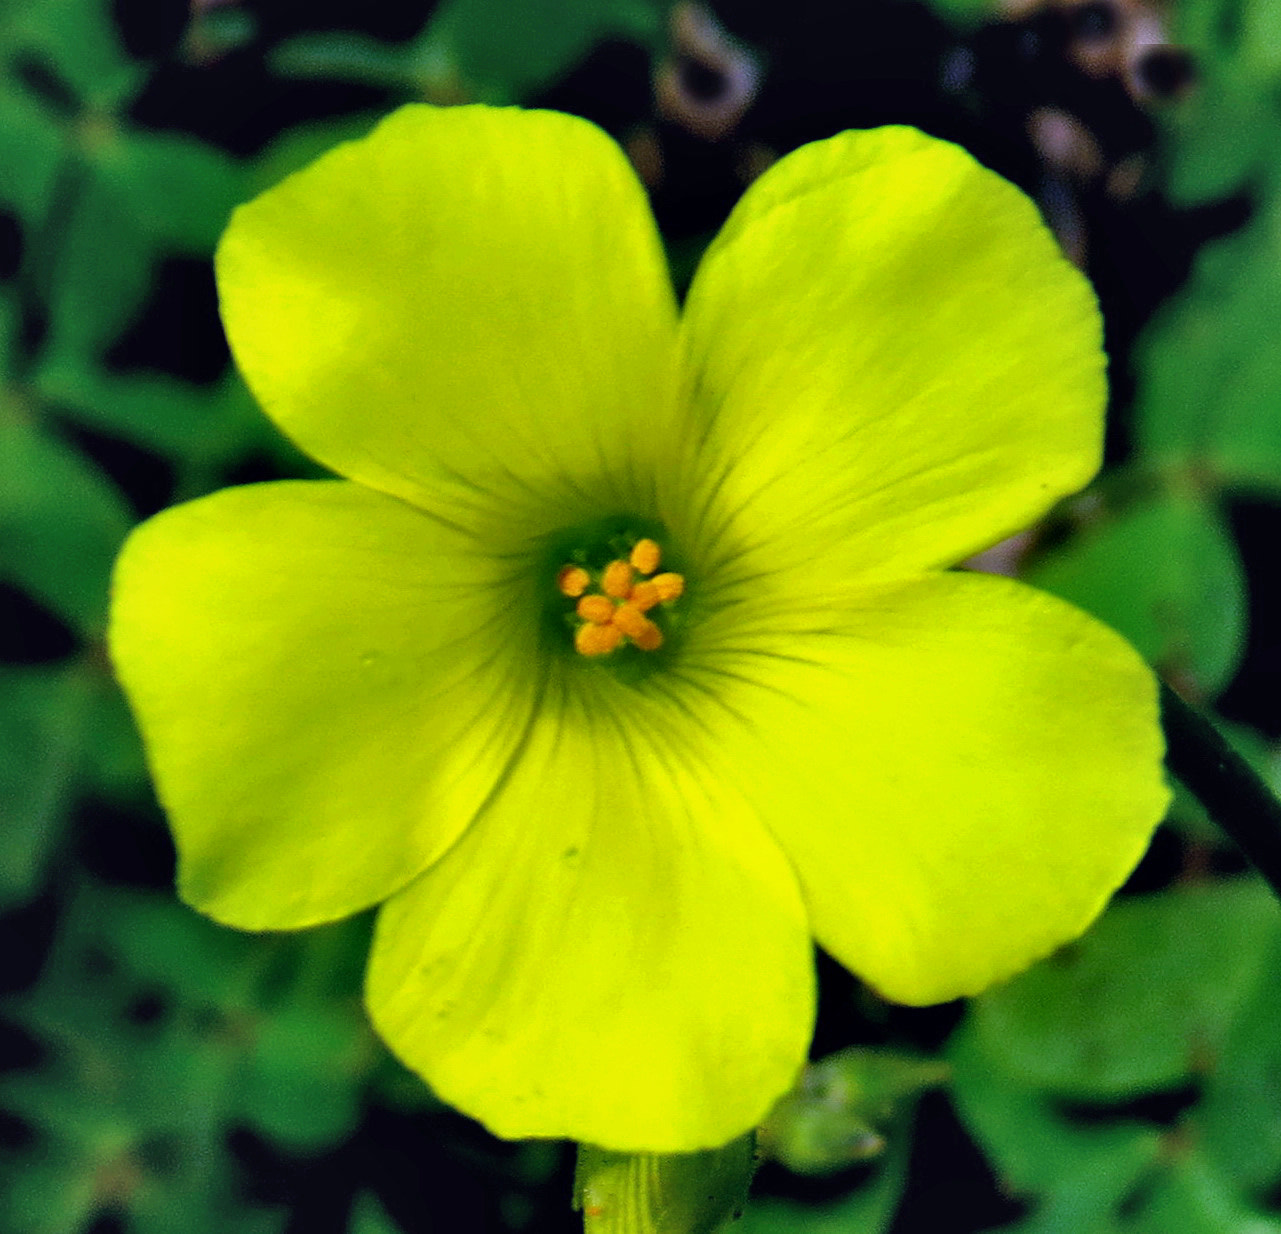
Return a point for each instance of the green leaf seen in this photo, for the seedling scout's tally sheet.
(43, 717)
(1209, 365)
(502, 52)
(1192, 1198)
(1261, 36)
(1240, 1127)
(1223, 136)
(369, 1217)
(98, 275)
(190, 424)
(177, 191)
(869, 1209)
(115, 765)
(343, 55)
(494, 51)
(1165, 573)
(1142, 1002)
(61, 522)
(128, 1114)
(76, 41)
(301, 1085)
(31, 150)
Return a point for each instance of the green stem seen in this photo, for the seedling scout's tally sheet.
(1230, 789)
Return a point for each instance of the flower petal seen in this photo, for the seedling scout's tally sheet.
(961, 769)
(892, 358)
(326, 688)
(465, 305)
(615, 953)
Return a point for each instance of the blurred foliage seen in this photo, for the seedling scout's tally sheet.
(1130, 1084)
(488, 51)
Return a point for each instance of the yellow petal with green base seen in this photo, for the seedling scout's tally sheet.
(324, 679)
(891, 357)
(616, 952)
(961, 769)
(469, 309)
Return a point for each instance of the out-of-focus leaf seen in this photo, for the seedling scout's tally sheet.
(1210, 365)
(9, 327)
(1166, 574)
(98, 277)
(1240, 1116)
(1078, 1176)
(369, 1217)
(1222, 137)
(74, 41)
(184, 422)
(504, 51)
(344, 55)
(1143, 1001)
(1261, 36)
(493, 51)
(43, 715)
(163, 1029)
(61, 522)
(178, 192)
(869, 1209)
(1190, 1197)
(301, 1084)
(115, 767)
(128, 1111)
(30, 153)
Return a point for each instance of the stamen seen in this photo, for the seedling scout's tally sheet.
(599, 610)
(629, 619)
(572, 580)
(650, 637)
(646, 555)
(644, 596)
(669, 585)
(617, 580)
(611, 605)
(593, 640)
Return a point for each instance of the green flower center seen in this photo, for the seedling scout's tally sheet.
(614, 592)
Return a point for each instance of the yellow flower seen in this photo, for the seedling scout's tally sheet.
(602, 871)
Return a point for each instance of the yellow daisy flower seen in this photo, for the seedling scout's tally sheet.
(604, 855)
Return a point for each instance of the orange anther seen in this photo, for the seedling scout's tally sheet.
(617, 580)
(629, 619)
(594, 640)
(644, 596)
(649, 637)
(646, 555)
(669, 585)
(599, 610)
(572, 580)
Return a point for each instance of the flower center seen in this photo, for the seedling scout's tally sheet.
(613, 604)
